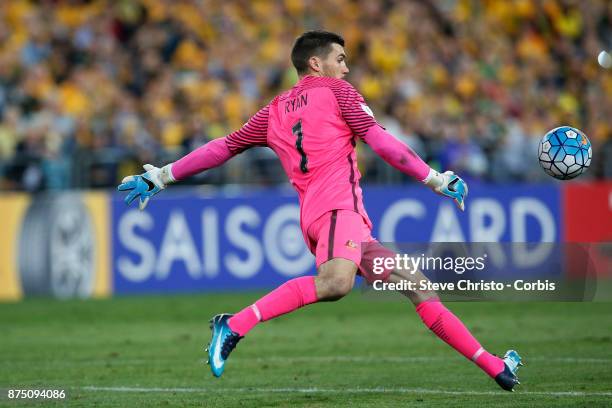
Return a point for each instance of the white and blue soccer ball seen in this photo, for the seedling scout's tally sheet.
(565, 152)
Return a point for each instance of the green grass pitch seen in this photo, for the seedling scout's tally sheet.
(147, 351)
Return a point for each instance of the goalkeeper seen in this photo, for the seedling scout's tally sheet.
(313, 128)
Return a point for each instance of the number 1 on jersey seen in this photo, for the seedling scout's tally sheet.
(297, 132)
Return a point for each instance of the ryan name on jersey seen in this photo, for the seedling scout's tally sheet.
(296, 103)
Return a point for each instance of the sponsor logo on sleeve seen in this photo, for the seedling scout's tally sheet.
(367, 109)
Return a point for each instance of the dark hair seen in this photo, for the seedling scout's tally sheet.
(312, 43)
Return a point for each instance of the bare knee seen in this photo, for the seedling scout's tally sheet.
(335, 279)
(416, 296)
(334, 287)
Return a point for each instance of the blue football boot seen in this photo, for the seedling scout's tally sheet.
(223, 341)
(507, 379)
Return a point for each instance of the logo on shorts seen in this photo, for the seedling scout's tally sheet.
(351, 244)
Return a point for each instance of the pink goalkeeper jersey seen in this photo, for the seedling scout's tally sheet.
(312, 128)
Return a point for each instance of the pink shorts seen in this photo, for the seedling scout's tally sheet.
(345, 234)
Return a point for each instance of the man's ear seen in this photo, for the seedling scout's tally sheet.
(315, 64)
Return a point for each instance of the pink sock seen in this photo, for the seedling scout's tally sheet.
(449, 328)
(286, 298)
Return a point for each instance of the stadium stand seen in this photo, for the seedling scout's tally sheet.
(91, 89)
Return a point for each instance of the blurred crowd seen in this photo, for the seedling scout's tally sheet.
(91, 90)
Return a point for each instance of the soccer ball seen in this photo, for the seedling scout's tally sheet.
(565, 153)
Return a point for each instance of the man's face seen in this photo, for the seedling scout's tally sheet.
(334, 64)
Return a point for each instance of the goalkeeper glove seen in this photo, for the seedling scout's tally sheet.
(448, 184)
(146, 185)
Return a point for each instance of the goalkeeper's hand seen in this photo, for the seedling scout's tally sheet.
(454, 187)
(146, 185)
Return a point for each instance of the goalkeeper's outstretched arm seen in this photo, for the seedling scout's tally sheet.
(212, 154)
(146, 185)
(208, 156)
(403, 158)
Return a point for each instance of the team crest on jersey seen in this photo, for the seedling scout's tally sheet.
(367, 109)
(351, 244)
